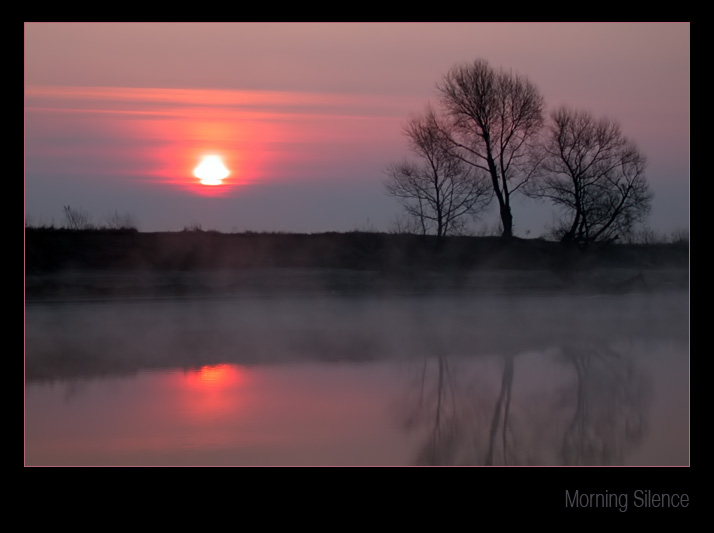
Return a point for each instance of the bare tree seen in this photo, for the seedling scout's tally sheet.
(76, 218)
(496, 118)
(440, 190)
(595, 176)
(120, 221)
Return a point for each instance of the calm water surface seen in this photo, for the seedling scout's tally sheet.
(370, 380)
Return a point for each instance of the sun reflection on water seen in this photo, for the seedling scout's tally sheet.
(212, 390)
(214, 376)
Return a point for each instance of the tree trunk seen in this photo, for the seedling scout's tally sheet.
(501, 194)
(507, 222)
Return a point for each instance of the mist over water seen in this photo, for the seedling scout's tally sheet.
(338, 378)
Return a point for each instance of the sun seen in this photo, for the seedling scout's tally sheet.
(211, 170)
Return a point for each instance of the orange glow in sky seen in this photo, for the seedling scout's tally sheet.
(167, 133)
(306, 117)
(188, 136)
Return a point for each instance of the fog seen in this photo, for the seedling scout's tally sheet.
(417, 377)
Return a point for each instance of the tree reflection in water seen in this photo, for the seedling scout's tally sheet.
(597, 418)
(609, 416)
(437, 405)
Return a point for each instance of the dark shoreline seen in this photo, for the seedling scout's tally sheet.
(62, 264)
(51, 250)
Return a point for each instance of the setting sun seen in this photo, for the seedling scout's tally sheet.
(211, 170)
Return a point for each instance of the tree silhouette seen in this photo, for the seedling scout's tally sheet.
(440, 190)
(594, 175)
(496, 117)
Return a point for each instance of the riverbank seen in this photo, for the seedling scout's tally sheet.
(65, 264)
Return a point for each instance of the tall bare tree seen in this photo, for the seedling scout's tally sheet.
(496, 118)
(439, 190)
(595, 176)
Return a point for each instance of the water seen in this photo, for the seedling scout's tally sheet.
(327, 379)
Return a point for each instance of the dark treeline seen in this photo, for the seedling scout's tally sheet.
(51, 250)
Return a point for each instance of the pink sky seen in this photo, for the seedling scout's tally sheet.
(308, 115)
